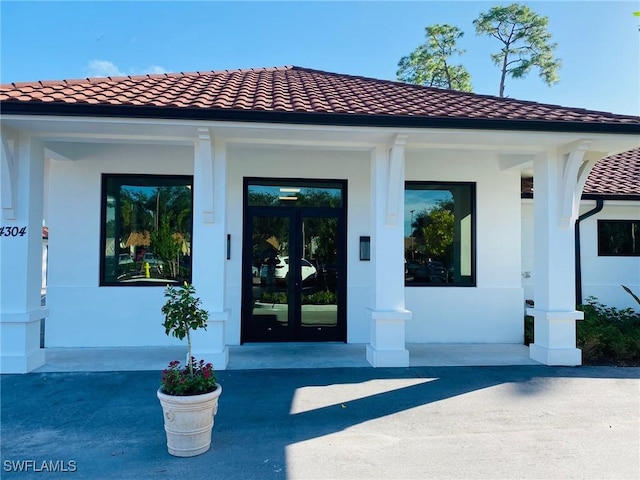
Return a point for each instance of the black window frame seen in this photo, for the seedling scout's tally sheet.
(472, 283)
(146, 178)
(603, 251)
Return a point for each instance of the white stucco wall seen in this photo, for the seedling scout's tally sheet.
(602, 277)
(527, 248)
(83, 314)
(490, 312)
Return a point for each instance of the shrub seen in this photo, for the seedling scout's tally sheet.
(273, 297)
(528, 330)
(608, 335)
(188, 380)
(320, 298)
(317, 298)
(182, 314)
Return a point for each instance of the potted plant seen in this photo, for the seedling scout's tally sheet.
(188, 393)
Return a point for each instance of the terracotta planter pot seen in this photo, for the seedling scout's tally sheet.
(188, 421)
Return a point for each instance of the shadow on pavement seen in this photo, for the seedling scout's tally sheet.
(109, 424)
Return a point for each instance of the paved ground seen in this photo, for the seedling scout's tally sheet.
(498, 422)
(263, 356)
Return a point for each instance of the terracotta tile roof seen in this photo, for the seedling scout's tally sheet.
(290, 90)
(614, 176)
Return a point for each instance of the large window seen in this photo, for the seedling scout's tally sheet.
(619, 238)
(439, 234)
(146, 229)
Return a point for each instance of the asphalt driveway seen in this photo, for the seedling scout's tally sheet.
(337, 423)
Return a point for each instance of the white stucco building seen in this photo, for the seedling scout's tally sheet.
(304, 206)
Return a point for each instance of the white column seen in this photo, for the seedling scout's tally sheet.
(386, 346)
(21, 313)
(558, 178)
(209, 248)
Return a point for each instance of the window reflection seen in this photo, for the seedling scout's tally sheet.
(439, 233)
(329, 195)
(147, 225)
(619, 238)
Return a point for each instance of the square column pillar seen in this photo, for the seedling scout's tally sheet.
(388, 315)
(209, 247)
(557, 184)
(21, 180)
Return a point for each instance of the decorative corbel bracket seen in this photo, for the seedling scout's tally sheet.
(574, 173)
(8, 177)
(203, 168)
(395, 179)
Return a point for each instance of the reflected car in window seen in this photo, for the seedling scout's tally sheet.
(429, 272)
(309, 272)
(124, 259)
(150, 259)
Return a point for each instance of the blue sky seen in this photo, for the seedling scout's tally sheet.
(598, 41)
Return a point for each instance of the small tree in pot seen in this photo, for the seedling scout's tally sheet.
(188, 394)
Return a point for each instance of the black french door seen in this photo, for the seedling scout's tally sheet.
(294, 262)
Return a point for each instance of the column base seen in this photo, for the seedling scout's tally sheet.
(555, 337)
(386, 347)
(566, 357)
(387, 358)
(209, 344)
(20, 350)
(22, 363)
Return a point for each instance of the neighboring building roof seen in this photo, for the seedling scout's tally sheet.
(298, 95)
(616, 176)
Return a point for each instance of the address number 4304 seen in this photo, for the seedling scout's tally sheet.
(13, 231)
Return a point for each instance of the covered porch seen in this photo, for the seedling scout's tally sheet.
(283, 356)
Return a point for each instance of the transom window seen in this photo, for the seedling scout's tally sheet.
(268, 193)
(439, 221)
(146, 229)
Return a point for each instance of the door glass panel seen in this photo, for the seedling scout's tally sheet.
(293, 280)
(319, 273)
(269, 274)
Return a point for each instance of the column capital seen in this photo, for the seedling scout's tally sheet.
(395, 180)
(203, 173)
(399, 140)
(8, 177)
(204, 134)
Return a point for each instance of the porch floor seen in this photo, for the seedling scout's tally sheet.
(282, 356)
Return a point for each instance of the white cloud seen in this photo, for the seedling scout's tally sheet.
(155, 69)
(105, 68)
